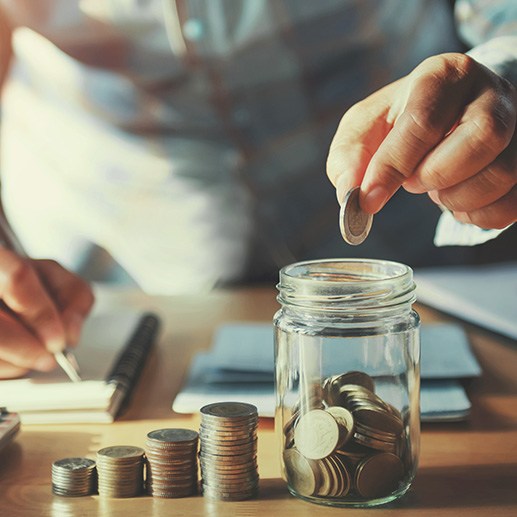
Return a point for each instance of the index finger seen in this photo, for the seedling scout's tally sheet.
(24, 294)
(72, 294)
(359, 134)
(434, 103)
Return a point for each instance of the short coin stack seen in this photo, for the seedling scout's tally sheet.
(228, 451)
(74, 477)
(354, 446)
(120, 471)
(171, 462)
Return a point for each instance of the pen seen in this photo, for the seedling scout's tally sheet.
(65, 359)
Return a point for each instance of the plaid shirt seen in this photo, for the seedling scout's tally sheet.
(162, 128)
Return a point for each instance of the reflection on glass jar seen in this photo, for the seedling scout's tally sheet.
(347, 355)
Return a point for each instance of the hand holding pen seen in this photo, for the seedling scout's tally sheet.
(44, 306)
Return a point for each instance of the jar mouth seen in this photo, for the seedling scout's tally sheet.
(346, 284)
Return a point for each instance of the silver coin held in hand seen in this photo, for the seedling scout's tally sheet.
(354, 223)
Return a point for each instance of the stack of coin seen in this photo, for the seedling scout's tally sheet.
(74, 477)
(354, 447)
(120, 471)
(171, 462)
(228, 451)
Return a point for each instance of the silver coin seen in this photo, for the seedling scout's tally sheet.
(173, 435)
(354, 223)
(73, 464)
(229, 410)
(119, 453)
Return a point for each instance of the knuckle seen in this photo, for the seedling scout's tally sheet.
(21, 272)
(500, 176)
(86, 295)
(493, 129)
(80, 295)
(448, 66)
(423, 127)
(45, 316)
(434, 178)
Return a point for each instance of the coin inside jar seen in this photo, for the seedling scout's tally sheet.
(354, 223)
(317, 434)
(379, 475)
(302, 473)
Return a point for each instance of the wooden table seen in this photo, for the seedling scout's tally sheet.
(465, 468)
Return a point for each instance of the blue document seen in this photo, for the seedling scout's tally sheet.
(240, 366)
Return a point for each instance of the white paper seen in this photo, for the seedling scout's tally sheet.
(484, 295)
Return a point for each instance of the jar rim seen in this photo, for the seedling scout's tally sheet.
(404, 270)
(346, 284)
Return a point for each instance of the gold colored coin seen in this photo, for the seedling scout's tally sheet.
(345, 421)
(378, 475)
(357, 379)
(302, 474)
(380, 420)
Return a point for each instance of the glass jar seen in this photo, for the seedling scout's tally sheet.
(347, 360)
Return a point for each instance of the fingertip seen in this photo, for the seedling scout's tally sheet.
(55, 344)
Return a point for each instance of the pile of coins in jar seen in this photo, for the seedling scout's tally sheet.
(167, 466)
(352, 446)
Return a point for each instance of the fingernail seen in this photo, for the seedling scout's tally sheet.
(435, 197)
(55, 344)
(343, 186)
(45, 363)
(462, 217)
(375, 199)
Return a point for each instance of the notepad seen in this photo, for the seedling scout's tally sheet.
(111, 353)
(240, 366)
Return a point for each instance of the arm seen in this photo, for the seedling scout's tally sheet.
(42, 305)
(447, 129)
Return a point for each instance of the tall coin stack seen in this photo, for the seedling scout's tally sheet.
(74, 477)
(228, 451)
(171, 462)
(120, 471)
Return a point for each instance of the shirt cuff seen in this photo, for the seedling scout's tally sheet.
(450, 232)
(500, 55)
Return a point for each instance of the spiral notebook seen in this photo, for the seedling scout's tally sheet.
(111, 353)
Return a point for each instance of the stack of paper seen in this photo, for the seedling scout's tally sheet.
(240, 366)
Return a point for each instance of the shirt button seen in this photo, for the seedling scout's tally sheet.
(193, 29)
